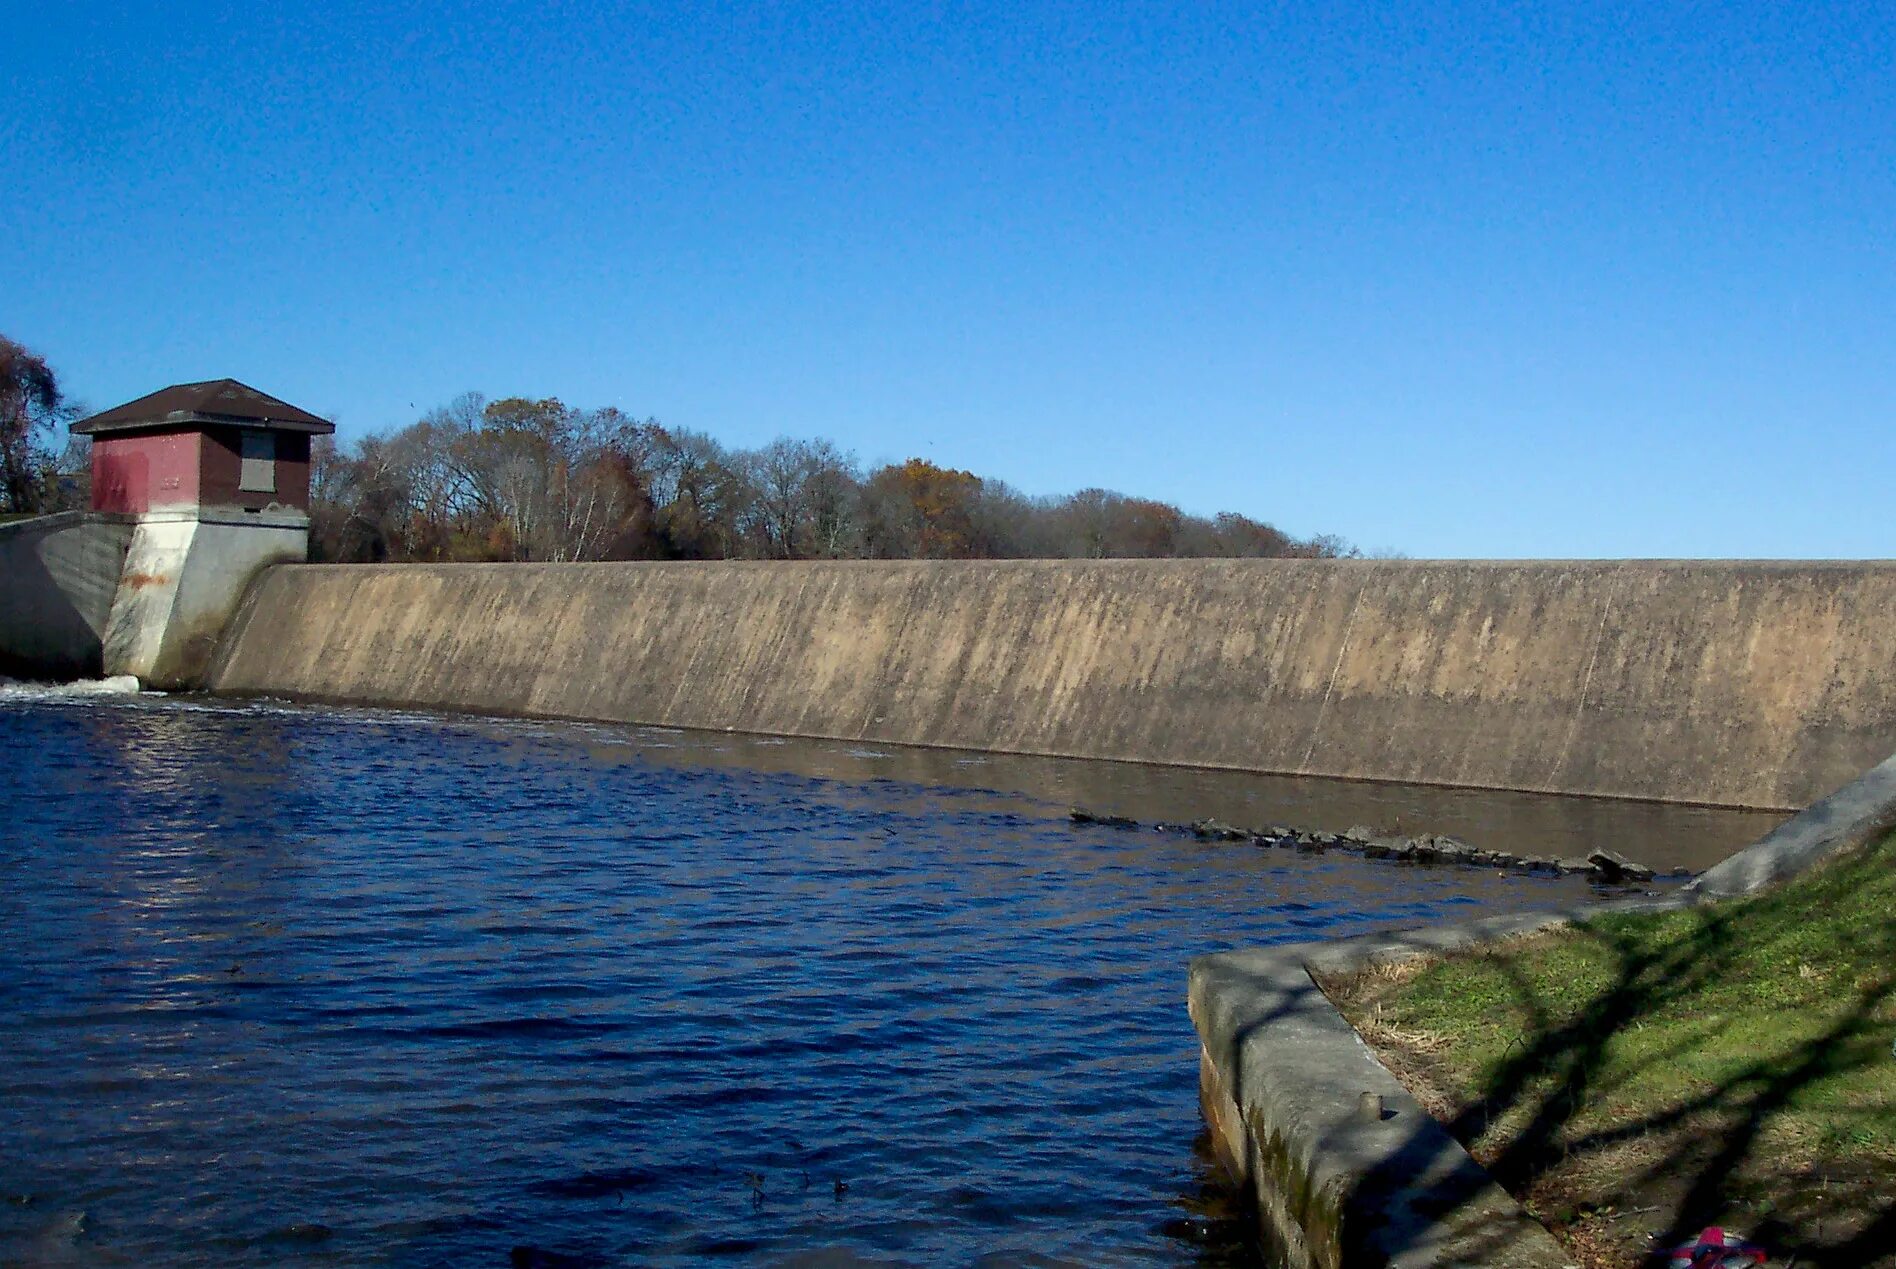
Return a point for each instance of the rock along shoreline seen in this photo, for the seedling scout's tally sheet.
(1604, 868)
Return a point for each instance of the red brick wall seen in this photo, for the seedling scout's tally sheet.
(143, 471)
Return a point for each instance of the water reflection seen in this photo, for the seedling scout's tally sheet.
(1667, 837)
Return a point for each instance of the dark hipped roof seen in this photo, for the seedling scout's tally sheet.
(213, 401)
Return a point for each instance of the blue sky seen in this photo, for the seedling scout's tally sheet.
(1452, 279)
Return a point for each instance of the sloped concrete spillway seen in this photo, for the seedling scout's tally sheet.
(1724, 683)
(58, 577)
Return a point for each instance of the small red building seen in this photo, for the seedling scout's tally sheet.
(217, 444)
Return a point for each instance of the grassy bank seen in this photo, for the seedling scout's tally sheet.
(1640, 1077)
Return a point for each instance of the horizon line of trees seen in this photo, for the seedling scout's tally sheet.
(523, 479)
(518, 479)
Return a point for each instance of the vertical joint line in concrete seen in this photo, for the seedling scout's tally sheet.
(1580, 703)
(1336, 667)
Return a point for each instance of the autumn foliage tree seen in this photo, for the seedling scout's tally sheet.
(921, 511)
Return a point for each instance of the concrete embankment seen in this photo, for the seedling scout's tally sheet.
(1727, 683)
(85, 593)
(1346, 1167)
(58, 576)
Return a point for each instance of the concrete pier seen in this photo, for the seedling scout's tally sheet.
(184, 574)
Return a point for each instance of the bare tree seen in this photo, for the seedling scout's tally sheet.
(707, 495)
(835, 522)
(804, 494)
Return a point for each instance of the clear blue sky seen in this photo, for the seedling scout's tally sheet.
(1484, 280)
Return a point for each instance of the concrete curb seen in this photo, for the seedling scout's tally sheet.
(1283, 1081)
(1284, 1078)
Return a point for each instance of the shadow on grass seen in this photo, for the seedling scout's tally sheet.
(1569, 1112)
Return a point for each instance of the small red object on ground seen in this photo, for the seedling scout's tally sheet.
(1715, 1249)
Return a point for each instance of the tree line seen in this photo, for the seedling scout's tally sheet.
(521, 479)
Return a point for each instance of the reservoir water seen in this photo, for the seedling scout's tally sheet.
(285, 985)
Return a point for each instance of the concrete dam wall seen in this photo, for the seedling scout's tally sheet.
(84, 593)
(58, 577)
(1730, 683)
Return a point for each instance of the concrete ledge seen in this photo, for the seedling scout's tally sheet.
(33, 526)
(1283, 1079)
(1282, 1075)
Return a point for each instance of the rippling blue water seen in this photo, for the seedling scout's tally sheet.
(327, 987)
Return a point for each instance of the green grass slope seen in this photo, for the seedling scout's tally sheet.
(1638, 1077)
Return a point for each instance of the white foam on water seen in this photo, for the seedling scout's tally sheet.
(116, 685)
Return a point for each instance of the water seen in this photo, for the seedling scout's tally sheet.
(1666, 837)
(330, 987)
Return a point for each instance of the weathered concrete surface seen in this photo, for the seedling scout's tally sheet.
(1741, 684)
(58, 574)
(1282, 1079)
(1853, 816)
(90, 593)
(185, 574)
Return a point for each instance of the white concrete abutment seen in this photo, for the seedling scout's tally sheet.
(90, 594)
(183, 577)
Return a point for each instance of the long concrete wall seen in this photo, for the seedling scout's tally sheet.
(58, 575)
(1743, 684)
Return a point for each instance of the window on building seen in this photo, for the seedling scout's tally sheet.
(259, 473)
